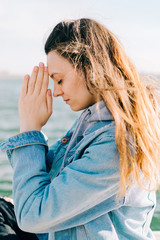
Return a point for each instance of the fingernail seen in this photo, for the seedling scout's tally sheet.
(41, 64)
(49, 92)
(45, 69)
(26, 76)
(35, 68)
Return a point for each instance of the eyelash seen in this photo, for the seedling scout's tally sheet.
(60, 81)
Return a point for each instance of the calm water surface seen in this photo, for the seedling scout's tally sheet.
(61, 120)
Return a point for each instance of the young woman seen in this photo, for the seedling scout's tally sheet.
(99, 180)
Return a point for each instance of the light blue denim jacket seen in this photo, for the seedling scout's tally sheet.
(68, 191)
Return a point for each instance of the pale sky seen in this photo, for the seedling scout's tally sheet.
(24, 26)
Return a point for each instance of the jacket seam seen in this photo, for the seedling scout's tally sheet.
(84, 208)
(106, 126)
(82, 228)
(26, 132)
(27, 144)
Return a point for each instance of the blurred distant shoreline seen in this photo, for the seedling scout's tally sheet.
(4, 75)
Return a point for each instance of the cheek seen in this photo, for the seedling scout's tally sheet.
(81, 84)
(83, 88)
(75, 85)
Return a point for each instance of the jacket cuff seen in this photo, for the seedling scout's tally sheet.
(24, 139)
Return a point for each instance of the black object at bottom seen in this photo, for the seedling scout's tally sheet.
(9, 229)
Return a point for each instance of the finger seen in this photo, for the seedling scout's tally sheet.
(25, 85)
(49, 101)
(45, 81)
(33, 79)
(38, 84)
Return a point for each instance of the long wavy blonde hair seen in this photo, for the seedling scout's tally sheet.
(110, 75)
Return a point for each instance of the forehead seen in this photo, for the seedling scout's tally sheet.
(57, 64)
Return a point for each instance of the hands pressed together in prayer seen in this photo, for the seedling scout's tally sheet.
(35, 102)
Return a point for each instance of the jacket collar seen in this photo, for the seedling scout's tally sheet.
(98, 112)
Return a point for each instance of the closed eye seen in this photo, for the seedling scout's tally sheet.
(60, 81)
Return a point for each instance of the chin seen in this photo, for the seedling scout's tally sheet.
(77, 108)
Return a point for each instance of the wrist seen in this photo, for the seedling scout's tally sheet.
(29, 128)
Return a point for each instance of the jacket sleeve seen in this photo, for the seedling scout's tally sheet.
(84, 190)
(29, 138)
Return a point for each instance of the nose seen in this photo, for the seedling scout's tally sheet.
(57, 90)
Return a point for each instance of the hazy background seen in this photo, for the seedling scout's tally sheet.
(24, 26)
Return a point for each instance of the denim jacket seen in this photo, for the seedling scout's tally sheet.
(68, 191)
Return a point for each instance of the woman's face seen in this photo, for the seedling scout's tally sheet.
(69, 83)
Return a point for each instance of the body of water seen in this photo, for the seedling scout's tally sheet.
(60, 121)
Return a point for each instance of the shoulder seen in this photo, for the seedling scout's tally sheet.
(101, 131)
(99, 142)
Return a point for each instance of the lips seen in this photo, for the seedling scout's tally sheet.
(67, 100)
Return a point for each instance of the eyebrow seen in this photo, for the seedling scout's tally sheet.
(52, 75)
